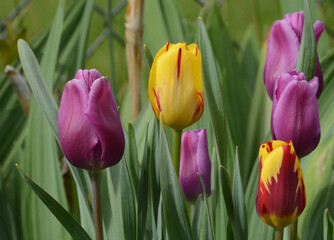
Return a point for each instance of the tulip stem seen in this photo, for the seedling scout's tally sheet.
(177, 150)
(279, 233)
(292, 230)
(97, 205)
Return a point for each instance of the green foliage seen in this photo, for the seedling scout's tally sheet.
(142, 198)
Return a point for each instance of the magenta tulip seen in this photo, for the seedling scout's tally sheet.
(194, 159)
(295, 113)
(283, 49)
(90, 131)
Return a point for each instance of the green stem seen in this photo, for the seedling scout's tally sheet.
(177, 150)
(292, 230)
(97, 205)
(279, 233)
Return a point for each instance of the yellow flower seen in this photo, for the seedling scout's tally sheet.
(175, 86)
(281, 196)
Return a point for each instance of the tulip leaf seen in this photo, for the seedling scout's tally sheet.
(84, 27)
(128, 203)
(239, 201)
(132, 160)
(37, 84)
(228, 199)
(197, 219)
(50, 56)
(328, 226)
(148, 54)
(174, 208)
(308, 50)
(207, 232)
(217, 199)
(71, 225)
(143, 192)
(116, 228)
(213, 93)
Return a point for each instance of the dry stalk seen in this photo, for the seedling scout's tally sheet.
(133, 40)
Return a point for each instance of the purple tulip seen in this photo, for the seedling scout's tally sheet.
(90, 131)
(194, 159)
(295, 113)
(283, 49)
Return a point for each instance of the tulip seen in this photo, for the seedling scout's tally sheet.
(90, 131)
(283, 49)
(295, 113)
(280, 196)
(194, 159)
(175, 85)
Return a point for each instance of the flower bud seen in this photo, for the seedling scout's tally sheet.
(280, 196)
(175, 85)
(295, 113)
(283, 49)
(194, 159)
(90, 131)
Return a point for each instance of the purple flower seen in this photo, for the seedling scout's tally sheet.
(295, 113)
(283, 49)
(194, 159)
(90, 131)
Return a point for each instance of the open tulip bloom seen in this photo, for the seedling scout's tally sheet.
(90, 131)
(283, 49)
(280, 196)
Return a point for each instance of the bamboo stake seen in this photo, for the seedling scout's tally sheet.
(133, 40)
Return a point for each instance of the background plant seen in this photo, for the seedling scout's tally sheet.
(232, 38)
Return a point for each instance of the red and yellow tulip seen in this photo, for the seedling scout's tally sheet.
(281, 196)
(175, 85)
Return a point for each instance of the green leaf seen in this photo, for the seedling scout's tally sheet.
(328, 226)
(132, 160)
(174, 208)
(50, 56)
(239, 202)
(41, 92)
(71, 225)
(207, 232)
(148, 54)
(143, 192)
(85, 23)
(213, 93)
(227, 193)
(128, 203)
(308, 50)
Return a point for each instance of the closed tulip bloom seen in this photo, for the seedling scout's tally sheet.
(283, 49)
(280, 196)
(295, 113)
(90, 131)
(175, 85)
(194, 159)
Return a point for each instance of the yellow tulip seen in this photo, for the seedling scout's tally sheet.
(175, 85)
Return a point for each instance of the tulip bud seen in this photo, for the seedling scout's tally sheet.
(295, 113)
(283, 49)
(175, 85)
(280, 196)
(194, 159)
(90, 131)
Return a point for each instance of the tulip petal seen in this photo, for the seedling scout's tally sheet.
(194, 159)
(282, 53)
(89, 76)
(295, 116)
(103, 116)
(76, 135)
(281, 194)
